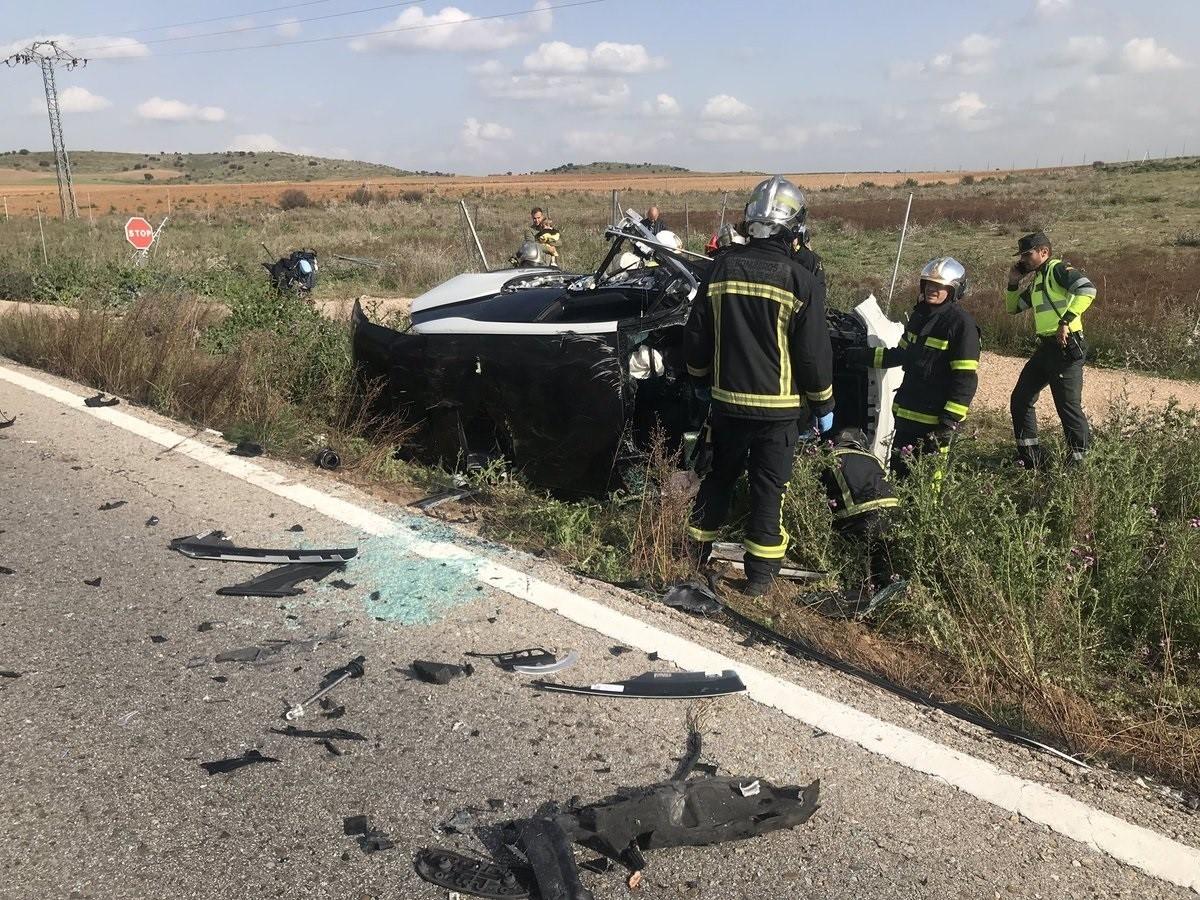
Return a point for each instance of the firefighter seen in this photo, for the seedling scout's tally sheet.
(757, 337)
(544, 233)
(1059, 294)
(940, 355)
(860, 496)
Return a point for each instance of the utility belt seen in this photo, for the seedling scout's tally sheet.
(1074, 351)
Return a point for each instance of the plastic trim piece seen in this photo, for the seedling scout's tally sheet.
(659, 686)
(214, 545)
(281, 582)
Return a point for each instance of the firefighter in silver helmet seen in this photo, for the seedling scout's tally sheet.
(758, 341)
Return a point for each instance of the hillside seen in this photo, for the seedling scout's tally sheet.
(610, 168)
(97, 166)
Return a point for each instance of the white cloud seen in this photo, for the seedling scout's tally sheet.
(1048, 9)
(453, 30)
(566, 90)
(91, 47)
(1145, 55)
(160, 110)
(479, 136)
(967, 109)
(603, 144)
(288, 28)
(662, 106)
(973, 55)
(74, 99)
(606, 57)
(1082, 50)
(725, 108)
(259, 143)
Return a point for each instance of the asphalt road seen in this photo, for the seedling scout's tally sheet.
(119, 701)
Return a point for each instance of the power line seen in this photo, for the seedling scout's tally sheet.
(242, 15)
(342, 37)
(246, 28)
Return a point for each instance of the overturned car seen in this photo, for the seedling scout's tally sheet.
(567, 375)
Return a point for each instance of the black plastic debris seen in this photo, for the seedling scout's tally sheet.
(692, 597)
(467, 875)
(250, 654)
(92, 582)
(7, 423)
(548, 850)
(247, 448)
(433, 501)
(297, 528)
(112, 504)
(327, 458)
(371, 840)
(249, 758)
(215, 545)
(342, 584)
(658, 685)
(99, 400)
(8, 673)
(439, 672)
(333, 748)
(460, 822)
(158, 639)
(209, 626)
(619, 650)
(329, 734)
(5, 570)
(851, 604)
(152, 521)
(530, 661)
(281, 582)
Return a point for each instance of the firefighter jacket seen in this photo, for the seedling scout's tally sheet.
(757, 332)
(855, 484)
(1058, 295)
(940, 356)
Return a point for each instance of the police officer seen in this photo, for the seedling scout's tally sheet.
(940, 356)
(757, 336)
(1059, 294)
(544, 233)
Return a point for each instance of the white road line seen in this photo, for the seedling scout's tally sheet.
(1153, 853)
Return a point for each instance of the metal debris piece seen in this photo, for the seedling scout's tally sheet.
(247, 448)
(99, 400)
(433, 501)
(112, 504)
(439, 672)
(531, 660)
(249, 758)
(692, 597)
(152, 521)
(659, 685)
(281, 582)
(356, 668)
(327, 458)
(468, 875)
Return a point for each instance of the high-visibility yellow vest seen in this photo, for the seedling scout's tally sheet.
(1058, 292)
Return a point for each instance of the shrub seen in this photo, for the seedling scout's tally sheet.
(44, 164)
(148, 176)
(967, 179)
(1189, 237)
(23, 152)
(910, 182)
(294, 198)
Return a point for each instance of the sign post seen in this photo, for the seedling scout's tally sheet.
(141, 235)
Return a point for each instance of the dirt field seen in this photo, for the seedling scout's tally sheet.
(24, 198)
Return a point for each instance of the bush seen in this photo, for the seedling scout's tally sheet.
(23, 152)
(967, 179)
(910, 183)
(1189, 237)
(148, 176)
(294, 198)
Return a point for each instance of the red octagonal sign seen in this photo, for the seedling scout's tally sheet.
(139, 233)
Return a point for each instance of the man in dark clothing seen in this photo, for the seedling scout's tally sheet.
(544, 233)
(757, 336)
(654, 221)
(1058, 295)
(940, 356)
(859, 499)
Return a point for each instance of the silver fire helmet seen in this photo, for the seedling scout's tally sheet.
(775, 205)
(948, 271)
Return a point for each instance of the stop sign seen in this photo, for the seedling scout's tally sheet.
(139, 233)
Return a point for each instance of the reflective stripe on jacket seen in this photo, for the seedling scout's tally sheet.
(1056, 284)
(757, 332)
(855, 484)
(940, 356)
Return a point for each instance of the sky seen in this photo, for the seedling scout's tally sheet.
(488, 86)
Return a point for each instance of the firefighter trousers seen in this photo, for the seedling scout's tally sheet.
(867, 534)
(913, 439)
(764, 449)
(1050, 367)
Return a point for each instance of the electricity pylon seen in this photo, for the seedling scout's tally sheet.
(48, 54)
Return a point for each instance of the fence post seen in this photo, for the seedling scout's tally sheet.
(5, 209)
(687, 224)
(42, 232)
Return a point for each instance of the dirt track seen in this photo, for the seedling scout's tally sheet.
(24, 198)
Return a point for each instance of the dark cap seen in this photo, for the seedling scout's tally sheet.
(851, 437)
(1027, 243)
